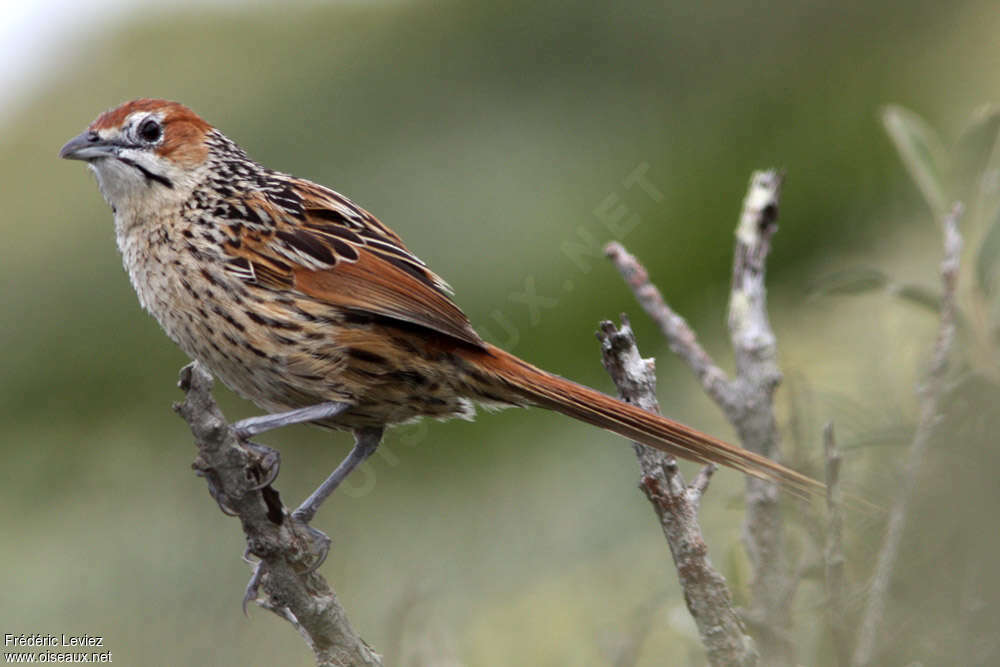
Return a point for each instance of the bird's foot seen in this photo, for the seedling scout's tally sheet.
(266, 465)
(319, 548)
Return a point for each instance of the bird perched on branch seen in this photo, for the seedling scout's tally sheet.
(303, 302)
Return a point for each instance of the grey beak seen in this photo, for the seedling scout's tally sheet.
(87, 146)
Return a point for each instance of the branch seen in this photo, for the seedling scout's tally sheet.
(675, 329)
(705, 592)
(930, 400)
(757, 378)
(239, 476)
(833, 554)
(746, 400)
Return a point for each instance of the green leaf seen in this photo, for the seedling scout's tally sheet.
(986, 258)
(922, 153)
(928, 299)
(918, 295)
(975, 147)
(849, 281)
(890, 435)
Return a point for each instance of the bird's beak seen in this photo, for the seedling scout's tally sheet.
(88, 146)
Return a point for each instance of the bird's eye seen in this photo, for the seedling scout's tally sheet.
(150, 130)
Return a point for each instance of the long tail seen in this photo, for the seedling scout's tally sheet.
(579, 402)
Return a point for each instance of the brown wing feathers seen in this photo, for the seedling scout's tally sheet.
(372, 286)
(328, 248)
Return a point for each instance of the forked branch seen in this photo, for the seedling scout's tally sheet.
(746, 399)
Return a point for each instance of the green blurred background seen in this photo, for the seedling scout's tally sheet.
(490, 136)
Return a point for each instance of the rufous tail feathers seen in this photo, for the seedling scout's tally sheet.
(588, 405)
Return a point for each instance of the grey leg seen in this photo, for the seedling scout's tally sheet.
(366, 441)
(247, 428)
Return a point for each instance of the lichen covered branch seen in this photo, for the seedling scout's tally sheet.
(757, 377)
(676, 505)
(239, 475)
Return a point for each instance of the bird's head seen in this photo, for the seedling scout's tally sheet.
(143, 152)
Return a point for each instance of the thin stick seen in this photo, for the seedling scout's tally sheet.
(930, 394)
(681, 338)
(833, 553)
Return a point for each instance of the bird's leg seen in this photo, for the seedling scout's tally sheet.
(247, 428)
(269, 461)
(366, 441)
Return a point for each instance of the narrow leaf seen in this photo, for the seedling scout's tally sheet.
(922, 153)
(986, 258)
(975, 147)
(849, 281)
(928, 299)
(918, 295)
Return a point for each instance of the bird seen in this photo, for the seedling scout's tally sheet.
(306, 304)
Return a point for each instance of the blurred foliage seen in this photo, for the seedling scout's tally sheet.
(948, 623)
(492, 136)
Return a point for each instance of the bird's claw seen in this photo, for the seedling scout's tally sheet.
(317, 537)
(252, 591)
(217, 495)
(246, 556)
(268, 463)
(253, 586)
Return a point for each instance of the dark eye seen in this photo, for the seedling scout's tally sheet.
(150, 130)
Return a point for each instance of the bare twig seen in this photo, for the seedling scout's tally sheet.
(757, 378)
(833, 554)
(239, 476)
(675, 329)
(746, 400)
(930, 392)
(676, 504)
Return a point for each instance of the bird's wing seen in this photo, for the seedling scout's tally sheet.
(294, 234)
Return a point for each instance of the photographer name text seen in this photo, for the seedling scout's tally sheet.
(38, 639)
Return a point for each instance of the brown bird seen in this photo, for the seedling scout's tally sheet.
(303, 302)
